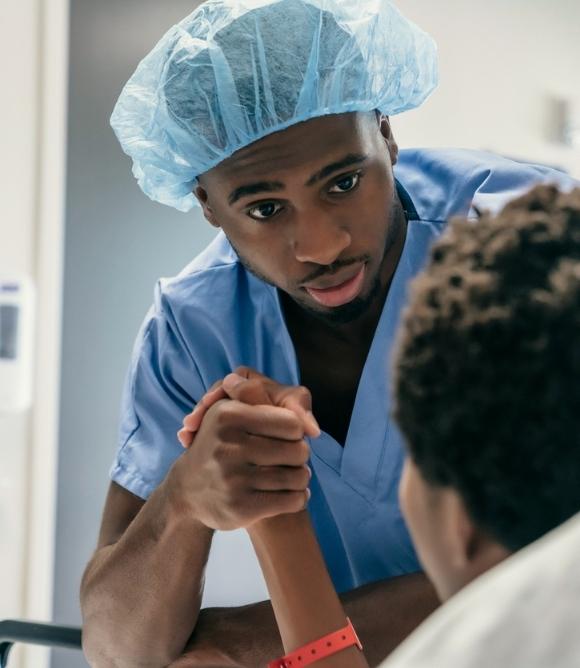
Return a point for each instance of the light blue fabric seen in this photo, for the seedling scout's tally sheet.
(236, 70)
(215, 316)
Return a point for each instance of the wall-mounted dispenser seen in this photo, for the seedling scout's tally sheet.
(16, 343)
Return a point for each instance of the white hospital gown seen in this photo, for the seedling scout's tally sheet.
(524, 613)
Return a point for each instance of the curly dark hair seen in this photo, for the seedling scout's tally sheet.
(487, 370)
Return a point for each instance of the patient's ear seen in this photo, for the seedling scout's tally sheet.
(472, 550)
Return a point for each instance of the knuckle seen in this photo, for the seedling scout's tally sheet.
(296, 479)
(231, 495)
(233, 490)
(224, 413)
(303, 451)
(249, 386)
(304, 392)
(228, 477)
(249, 507)
(226, 455)
(293, 502)
(299, 501)
(220, 453)
(304, 477)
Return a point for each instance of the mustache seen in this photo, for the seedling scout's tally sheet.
(329, 270)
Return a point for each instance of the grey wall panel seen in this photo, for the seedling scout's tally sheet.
(117, 244)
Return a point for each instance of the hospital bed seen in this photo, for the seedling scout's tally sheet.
(33, 633)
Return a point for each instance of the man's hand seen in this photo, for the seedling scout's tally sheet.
(248, 461)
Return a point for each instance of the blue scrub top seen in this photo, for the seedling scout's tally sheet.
(215, 316)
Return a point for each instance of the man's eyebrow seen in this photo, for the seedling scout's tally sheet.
(253, 188)
(348, 161)
(273, 186)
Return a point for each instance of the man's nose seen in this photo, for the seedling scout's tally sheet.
(320, 238)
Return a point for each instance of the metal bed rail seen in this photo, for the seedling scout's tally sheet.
(36, 633)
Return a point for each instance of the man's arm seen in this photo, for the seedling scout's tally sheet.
(383, 613)
(141, 592)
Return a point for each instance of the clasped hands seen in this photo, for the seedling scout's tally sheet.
(246, 442)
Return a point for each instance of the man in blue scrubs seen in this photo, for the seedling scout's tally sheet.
(274, 118)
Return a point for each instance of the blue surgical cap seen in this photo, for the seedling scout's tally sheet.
(235, 71)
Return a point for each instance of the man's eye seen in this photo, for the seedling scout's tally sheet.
(264, 211)
(346, 183)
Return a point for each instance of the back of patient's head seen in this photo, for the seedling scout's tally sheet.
(488, 367)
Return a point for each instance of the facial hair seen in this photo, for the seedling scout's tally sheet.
(350, 312)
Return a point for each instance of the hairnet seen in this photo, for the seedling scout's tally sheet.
(235, 71)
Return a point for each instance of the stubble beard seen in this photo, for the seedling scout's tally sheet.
(341, 315)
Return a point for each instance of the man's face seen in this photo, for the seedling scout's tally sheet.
(312, 210)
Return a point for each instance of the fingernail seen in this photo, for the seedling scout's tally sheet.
(308, 495)
(186, 436)
(309, 471)
(232, 380)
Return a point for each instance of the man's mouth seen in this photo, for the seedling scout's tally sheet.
(340, 290)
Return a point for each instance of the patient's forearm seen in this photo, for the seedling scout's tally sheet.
(383, 613)
(305, 602)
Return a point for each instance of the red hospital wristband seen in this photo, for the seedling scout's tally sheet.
(320, 649)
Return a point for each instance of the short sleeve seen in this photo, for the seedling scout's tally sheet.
(162, 386)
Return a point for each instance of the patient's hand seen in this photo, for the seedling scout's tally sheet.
(250, 387)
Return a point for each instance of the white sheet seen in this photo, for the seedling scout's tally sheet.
(525, 613)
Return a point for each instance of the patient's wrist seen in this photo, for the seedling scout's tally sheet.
(279, 526)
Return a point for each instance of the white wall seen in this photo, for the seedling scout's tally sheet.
(18, 129)
(500, 62)
(33, 50)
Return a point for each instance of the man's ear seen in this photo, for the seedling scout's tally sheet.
(385, 129)
(202, 198)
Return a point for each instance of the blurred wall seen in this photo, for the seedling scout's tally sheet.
(498, 62)
(501, 63)
(117, 244)
(18, 172)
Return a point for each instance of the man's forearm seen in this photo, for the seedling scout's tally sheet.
(140, 596)
(383, 613)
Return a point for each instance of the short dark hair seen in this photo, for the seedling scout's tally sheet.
(487, 371)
